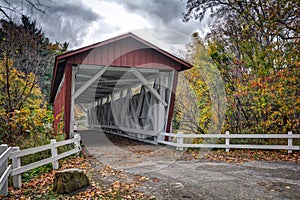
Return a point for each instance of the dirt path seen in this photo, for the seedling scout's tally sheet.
(168, 177)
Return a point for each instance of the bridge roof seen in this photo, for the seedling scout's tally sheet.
(127, 50)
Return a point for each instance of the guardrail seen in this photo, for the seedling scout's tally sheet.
(15, 169)
(180, 145)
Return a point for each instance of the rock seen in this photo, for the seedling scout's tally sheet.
(69, 180)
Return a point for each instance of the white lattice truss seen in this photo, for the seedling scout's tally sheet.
(134, 101)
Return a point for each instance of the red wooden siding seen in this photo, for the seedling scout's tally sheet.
(67, 114)
(125, 53)
(172, 103)
(59, 105)
(62, 102)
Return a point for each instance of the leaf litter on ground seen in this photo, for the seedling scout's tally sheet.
(241, 155)
(109, 183)
(105, 183)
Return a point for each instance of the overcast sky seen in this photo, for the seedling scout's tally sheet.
(83, 22)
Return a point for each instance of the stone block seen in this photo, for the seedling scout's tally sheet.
(69, 180)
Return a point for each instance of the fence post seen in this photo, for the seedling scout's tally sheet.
(54, 153)
(179, 141)
(160, 137)
(77, 141)
(290, 142)
(16, 163)
(227, 141)
(3, 166)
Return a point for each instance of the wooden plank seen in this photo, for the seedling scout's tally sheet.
(31, 166)
(279, 147)
(97, 55)
(131, 130)
(141, 101)
(125, 108)
(67, 102)
(16, 163)
(145, 111)
(72, 117)
(172, 101)
(4, 169)
(145, 82)
(83, 76)
(60, 86)
(111, 53)
(78, 59)
(250, 136)
(134, 115)
(5, 155)
(91, 57)
(131, 137)
(233, 146)
(113, 107)
(161, 114)
(90, 67)
(84, 57)
(117, 60)
(169, 87)
(105, 55)
(4, 178)
(39, 149)
(89, 82)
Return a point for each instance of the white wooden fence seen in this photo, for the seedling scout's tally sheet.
(180, 145)
(4, 169)
(15, 169)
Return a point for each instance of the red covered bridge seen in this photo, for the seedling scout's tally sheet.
(124, 84)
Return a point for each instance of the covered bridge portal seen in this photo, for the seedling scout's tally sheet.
(124, 84)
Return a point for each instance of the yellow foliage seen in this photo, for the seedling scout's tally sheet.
(22, 106)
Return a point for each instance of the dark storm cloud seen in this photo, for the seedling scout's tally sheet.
(163, 13)
(68, 21)
(73, 21)
(166, 10)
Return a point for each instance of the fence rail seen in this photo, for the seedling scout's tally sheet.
(4, 169)
(15, 169)
(179, 144)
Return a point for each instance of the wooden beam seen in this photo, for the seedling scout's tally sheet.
(67, 103)
(118, 69)
(82, 108)
(72, 115)
(89, 82)
(83, 76)
(161, 114)
(118, 81)
(112, 88)
(172, 101)
(145, 82)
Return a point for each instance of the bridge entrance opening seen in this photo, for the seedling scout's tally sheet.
(125, 85)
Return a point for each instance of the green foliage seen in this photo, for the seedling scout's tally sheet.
(259, 100)
(27, 176)
(25, 65)
(255, 47)
(31, 52)
(21, 104)
(201, 100)
(26, 57)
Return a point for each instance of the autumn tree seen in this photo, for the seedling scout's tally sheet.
(21, 103)
(26, 59)
(30, 50)
(255, 45)
(201, 100)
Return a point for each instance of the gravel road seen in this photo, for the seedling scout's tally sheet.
(169, 177)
